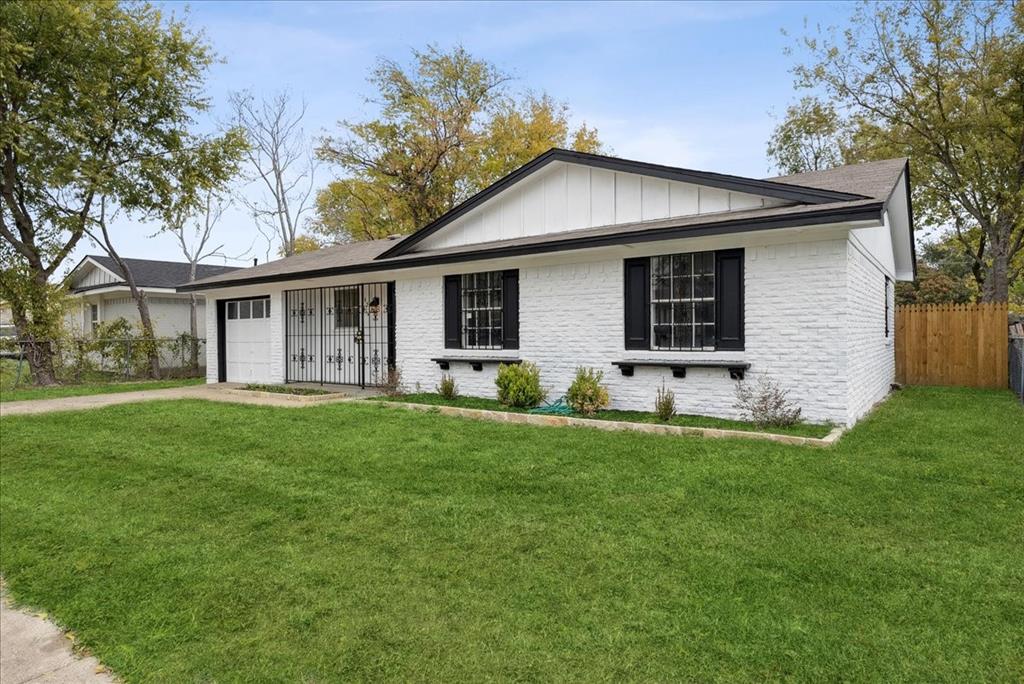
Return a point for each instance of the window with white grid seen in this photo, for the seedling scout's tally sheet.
(481, 310)
(683, 301)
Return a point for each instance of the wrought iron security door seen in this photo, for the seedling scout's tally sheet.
(340, 335)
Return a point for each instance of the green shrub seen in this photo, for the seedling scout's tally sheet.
(586, 395)
(665, 404)
(448, 389)
(519, 385)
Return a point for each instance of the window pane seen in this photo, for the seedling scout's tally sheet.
(703, 286)
(681, 265)
(662, 313)
(232, 310)
(704, 262)
(257, 308)
(662, 288)
(683, 312)
(661, 267)
(705, 312)
(266, 307)
(244, 309)
(698, 336)
(709, 335)
(683, 336)
(662, 336)
(682, 287)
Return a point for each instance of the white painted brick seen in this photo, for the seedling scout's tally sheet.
(813, 321)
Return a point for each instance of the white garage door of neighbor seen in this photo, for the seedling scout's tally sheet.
(247, 340)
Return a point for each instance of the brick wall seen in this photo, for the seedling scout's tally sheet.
(872, 366)
(571, 314)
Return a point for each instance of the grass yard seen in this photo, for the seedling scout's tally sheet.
(799, 429)
(193, 541)
(25, 391)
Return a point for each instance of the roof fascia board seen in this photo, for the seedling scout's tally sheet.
(869, 212)
(120, 286)
(783, 191)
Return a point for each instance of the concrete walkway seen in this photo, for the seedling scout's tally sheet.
(227, 392)
(33, 649)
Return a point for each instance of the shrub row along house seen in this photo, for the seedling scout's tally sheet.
(650, 273)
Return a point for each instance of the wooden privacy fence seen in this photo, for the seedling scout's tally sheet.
(952, 344)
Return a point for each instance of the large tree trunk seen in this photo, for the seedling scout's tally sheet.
(38, 353)
(147, 327)
(997, 280)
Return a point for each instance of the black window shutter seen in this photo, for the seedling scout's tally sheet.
(510, 309)
(452, 312)
(729, 298)
(638, 303)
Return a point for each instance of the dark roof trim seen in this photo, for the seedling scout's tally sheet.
(910, 218)
(88, 288)
(859, 213)
(794, 193)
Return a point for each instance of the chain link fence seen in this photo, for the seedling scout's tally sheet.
(107, 359)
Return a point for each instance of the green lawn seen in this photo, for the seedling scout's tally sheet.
(25, 391)
(800, 429)
(195, 541)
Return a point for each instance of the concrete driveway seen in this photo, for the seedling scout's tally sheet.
(227, 392)
(33, 649)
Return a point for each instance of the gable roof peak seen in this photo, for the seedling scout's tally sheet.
(768, 188)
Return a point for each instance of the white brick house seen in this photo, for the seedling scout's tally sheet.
(650, 273)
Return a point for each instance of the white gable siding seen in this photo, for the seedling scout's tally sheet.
(565, 196)
(94, 276)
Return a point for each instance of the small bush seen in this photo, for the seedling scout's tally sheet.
(519, 385)
(448, 389)
(586, 395)
(665, 404)
(393, 385)
(766, 404)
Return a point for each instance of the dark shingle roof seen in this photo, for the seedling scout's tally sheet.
(152, 273)
(872, 182)
(872, 179)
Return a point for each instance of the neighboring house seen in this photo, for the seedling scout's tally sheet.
(101, 294)
(649, 273)
(6, 321)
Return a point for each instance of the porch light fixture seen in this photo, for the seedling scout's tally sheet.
(374, 307)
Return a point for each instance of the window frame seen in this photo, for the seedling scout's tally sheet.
(471, 307)
(352, 315)
(727, 304)
(691, 302)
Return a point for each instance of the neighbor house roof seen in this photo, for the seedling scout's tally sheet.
(843, 194)
(152, 273)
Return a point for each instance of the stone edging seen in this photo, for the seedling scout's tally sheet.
(609, 425)
(295, 398)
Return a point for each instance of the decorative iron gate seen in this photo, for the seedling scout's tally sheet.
(340, 335)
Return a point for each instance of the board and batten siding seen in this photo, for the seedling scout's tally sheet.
(96, 276)
(568, 196)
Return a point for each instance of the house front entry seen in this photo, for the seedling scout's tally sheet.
(341, 335)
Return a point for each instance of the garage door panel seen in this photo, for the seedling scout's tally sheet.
(247, 342)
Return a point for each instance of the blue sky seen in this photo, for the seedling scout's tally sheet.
(688, 84)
